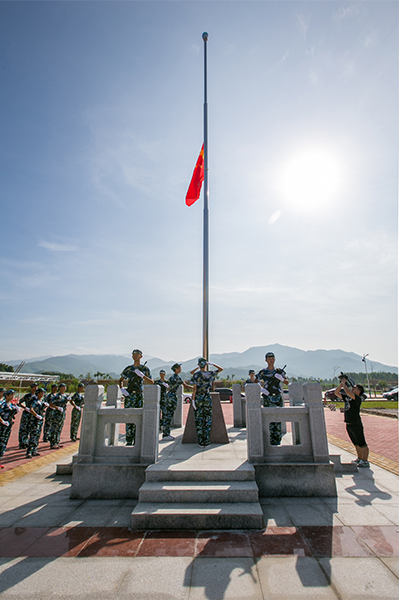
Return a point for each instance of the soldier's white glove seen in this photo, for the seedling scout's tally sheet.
(264, 391)
(139, 373)
(193, 404)
(279, 376)
(46, 404)
(165, 385)
(124, 392)
(78, 408)
(39, 417)
(17, 408)
(60, 408)
(6, 423)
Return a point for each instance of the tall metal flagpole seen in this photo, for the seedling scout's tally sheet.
(206, 211)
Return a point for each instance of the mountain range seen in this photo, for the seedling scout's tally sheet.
(319, 364)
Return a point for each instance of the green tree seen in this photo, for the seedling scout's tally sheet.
(6, 368)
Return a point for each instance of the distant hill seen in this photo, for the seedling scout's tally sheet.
(300, 363)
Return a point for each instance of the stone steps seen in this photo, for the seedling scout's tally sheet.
(198, 491)
(204, 494)
(212, 470)
(200, 515)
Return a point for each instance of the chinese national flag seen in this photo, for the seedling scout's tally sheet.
(194, 190)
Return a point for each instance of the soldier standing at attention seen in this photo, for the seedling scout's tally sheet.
(35, 422)
(201, 399)
(8, 410)
(136, 374)
(77, 401)
(23, 425)
(171, 400)
(49, 412)
(271, 378)
(252, 378)
(163, 393)
(59, 403)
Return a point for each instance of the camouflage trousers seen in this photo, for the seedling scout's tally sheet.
(168, 408)
(134, 400)
(203, 418)
(23, 430)
(275, 429)
(4, 437)
(34, 431)
(47, 423)
(57, 423)
(75, 420)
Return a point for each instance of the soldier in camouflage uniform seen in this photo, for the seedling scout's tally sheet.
(23, 425)
(8, 410)
(171, 400)
(136, 374)
(201, 399)
(252, 378)
(49, 412)
(37, 408)
(163, 393)
(271, 379)
(77, 401)
(59, 402)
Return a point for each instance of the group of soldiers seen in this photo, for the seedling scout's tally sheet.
(201, 384)
(47, 412)
(39, 411)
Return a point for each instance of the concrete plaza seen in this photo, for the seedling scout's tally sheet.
(339, 548)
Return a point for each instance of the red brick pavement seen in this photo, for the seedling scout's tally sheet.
(14, 457)
(381, 433)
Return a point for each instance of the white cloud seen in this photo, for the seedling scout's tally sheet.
(273, 218)
(53, 247)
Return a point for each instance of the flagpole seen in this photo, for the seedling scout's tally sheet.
(206, 211)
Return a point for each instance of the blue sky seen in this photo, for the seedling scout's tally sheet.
(101, 126)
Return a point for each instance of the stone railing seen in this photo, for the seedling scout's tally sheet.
(308, 427)
(101, 424)
(300, 468)
(105, 467)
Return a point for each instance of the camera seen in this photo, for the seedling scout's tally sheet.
(349, 382)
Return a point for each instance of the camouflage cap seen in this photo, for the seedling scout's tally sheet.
(175, 366)
(2, 389)
(202, 361)
(270, 355)
(81, 384)
(162, 371)
(8, 392)
(136, 351)
(41, 390)
(34, 384)
(251, 371)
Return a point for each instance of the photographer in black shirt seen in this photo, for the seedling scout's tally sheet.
(352, 398)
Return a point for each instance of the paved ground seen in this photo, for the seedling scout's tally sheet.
(335, 548)
(381, 433)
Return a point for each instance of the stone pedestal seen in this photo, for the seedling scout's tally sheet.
(239, 406)
(177, 420)
(218, 433)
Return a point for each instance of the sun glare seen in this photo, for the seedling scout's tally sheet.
(310, 180)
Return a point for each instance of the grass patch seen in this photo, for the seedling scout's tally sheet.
(371, 404)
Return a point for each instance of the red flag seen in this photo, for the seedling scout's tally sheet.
(194, 190)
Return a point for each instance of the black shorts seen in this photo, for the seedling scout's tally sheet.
(356, 434)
